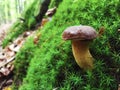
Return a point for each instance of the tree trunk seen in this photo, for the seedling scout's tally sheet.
(43, 10)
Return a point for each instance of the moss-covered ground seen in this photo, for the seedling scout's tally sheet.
(51, 63)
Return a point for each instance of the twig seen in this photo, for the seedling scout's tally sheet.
(118, 30)
(8, 61)
(118, 86)
(1, 85)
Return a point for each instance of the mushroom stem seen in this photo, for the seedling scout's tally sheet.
(81, 54)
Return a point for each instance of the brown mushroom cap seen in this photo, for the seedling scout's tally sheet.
(79, 33)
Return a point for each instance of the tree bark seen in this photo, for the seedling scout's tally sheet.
(43, 10)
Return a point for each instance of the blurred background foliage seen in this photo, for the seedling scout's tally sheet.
(24, 22)
(10, 10)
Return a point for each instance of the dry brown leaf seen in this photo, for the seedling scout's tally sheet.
(5, 71)
(2, 56)
(118, 30)
(36, 38)
(10, 67)
(119, 87)
(10, 54)
(7, 88)
(15, 47)
(9, 82)
(44, 21)
(51, 12)
(101, 31)
(7, 61)
(26, 34)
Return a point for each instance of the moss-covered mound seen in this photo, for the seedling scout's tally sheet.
(53, 65)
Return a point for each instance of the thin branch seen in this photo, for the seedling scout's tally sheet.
(8, 61)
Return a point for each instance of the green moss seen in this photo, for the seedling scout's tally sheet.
(22, 60)
(53, 65)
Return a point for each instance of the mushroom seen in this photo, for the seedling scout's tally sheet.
(81, 37)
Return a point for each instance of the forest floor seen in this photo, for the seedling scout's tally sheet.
(7, 56)
(3, 30)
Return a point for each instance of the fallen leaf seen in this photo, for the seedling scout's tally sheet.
(118, 30)
(9, 82)
(5, 71)
(7, 88)
(101, 31)
(36, 38)
(15, 47)
(44, 21)
(26, 34)
(51, 12)
(119, 87)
